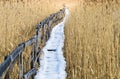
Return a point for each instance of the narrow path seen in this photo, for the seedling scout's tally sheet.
(52, 63)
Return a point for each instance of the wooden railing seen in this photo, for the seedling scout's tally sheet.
(43, 30)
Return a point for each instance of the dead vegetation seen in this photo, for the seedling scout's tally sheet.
(92, 43)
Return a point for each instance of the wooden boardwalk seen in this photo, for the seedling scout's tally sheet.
(52, 62)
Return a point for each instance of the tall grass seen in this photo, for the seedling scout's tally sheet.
(17, 23)
(92, 32)
(92, 45)
(18, 20)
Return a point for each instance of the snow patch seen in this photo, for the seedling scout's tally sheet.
(52, 62)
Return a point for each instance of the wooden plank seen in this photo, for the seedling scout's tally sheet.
(5, 65)
(30, 41)
(7, 75)
(51, 49)
(30, 73)
(17, 51)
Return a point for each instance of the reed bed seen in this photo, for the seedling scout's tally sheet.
(92, 45)
(92, 33)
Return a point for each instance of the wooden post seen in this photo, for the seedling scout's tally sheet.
(39, 36)
(33, 56)
(36, 46)
(32, 60)
(21, 66)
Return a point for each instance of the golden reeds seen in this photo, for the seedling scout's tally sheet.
(92, 44)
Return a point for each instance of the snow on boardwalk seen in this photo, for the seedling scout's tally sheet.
(52, 63)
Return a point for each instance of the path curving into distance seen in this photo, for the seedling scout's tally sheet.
(52, 62)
